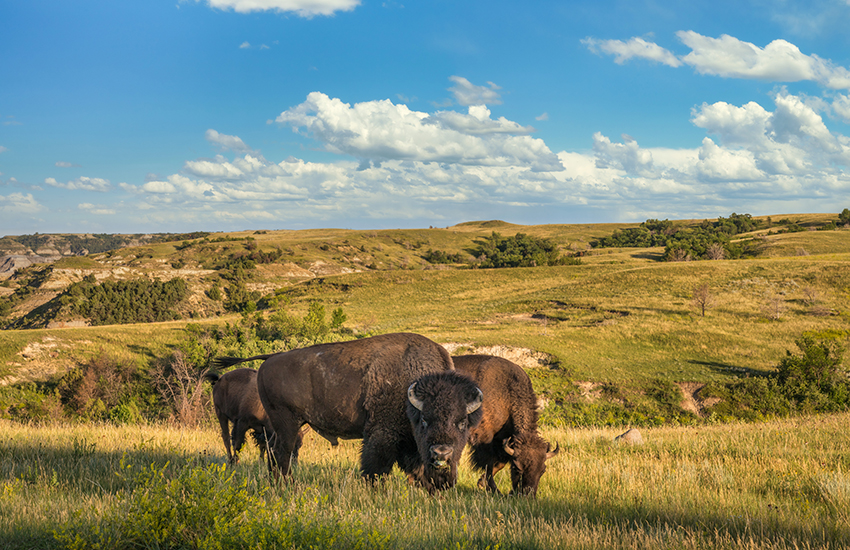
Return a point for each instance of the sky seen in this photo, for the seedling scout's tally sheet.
(225, 115)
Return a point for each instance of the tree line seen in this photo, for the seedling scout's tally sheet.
(710, 240)
(121, 302)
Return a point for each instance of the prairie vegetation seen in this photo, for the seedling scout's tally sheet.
(616, 335)
(617, 338)
(774, 485)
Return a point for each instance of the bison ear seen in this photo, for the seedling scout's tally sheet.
(506, 445)
(475, 404)
(550, 454)
(411, 396)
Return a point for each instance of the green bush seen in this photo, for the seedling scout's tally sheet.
(814, 381)
(682, 243)
(211, 507)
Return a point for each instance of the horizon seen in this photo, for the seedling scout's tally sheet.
(217, 115)
(779, 217)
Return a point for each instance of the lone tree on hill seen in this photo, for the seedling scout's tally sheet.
(703, 299)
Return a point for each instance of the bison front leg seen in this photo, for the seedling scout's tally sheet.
(377, 457)
(487, 481)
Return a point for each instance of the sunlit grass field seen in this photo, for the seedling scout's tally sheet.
(626, 322)
(781, 484)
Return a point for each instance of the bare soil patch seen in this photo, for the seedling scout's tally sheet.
(524, 357)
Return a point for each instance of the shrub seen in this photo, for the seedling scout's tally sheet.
(816, 379)
(812, 382)
(209, 506)
(119, 302)
(104, 388)
(442, 257)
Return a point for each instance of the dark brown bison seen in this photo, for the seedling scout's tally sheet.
(507, 433)
(398, 392)
(236, 401)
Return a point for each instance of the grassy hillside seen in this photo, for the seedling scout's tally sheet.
(622, 318)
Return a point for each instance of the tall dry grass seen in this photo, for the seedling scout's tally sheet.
(777, 485)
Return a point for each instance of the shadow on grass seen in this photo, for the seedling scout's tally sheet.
(729, 369)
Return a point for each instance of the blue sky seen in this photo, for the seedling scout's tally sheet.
(128, 117)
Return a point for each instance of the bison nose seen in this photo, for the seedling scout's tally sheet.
(440, 454)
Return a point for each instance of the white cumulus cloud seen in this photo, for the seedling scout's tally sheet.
(83, 183)
(226, 142)
(381, 131)
(19, 203)
(466, 93)
(96, 209)
(730, 57)
(779, 61)
(303, 8)
(632, 48)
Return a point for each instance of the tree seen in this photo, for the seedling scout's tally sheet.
(844, 216)
(715, 251)
(703, 299)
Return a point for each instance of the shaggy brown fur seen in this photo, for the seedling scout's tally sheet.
(236, 401)
(358, 389)
(507, 433)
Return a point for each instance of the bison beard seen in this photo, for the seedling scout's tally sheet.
(359, 389)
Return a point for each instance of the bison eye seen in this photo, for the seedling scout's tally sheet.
(424, 423)
(461, 425)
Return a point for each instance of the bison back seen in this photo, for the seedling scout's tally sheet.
(344, 389)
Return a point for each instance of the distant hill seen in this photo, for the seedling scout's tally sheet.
(226, 272)
(19, 251)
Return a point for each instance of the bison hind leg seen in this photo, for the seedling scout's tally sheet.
(286, 441)
(240, 427)
(225, 435)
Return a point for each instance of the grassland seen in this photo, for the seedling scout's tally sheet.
(622, 317)
(776, 485)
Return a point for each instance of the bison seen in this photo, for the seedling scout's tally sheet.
(507, 433)
(397, 392)
(236, 401)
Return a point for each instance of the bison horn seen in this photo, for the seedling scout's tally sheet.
(474, 405)
(506, 445)
(550, 454)
(411, 396)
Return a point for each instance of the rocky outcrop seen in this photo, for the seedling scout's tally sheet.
(13, 262)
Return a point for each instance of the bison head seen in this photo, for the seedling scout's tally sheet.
(442, 408)
(528, 455)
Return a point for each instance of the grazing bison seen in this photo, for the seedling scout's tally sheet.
(507, 433)
(398, 392)
(236, 401)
